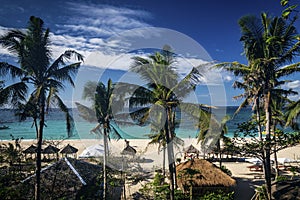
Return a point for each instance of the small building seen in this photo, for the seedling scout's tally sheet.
(68, 151)
(51, 152)
(31, 150)
(70, 179)
(202, 176)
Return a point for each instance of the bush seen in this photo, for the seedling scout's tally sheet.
(225, 170)
(217, 196)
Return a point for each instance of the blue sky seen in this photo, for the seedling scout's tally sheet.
(109, 33)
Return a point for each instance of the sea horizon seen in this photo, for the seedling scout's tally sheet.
(55, 128)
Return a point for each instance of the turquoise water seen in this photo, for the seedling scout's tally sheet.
(56, 128)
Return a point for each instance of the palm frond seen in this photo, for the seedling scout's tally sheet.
(14, 71)
(69, 118)
(86, 112)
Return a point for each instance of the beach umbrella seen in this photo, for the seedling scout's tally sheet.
(128, 150)
(253, 160)
(284, 160)
(69, 150)
(94, 151)
(191, 149)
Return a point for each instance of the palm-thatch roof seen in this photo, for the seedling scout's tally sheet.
(71, 179)
(63, 179)
(191, 149)
(201, 173)
(30, 150)
(50, 150)
(128, 150)
(69, 150)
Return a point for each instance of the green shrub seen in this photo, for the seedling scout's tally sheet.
(218, 195)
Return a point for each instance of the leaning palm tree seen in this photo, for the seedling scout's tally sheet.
(36, 72)
(162, 98)
(102, 99)
(270, 44)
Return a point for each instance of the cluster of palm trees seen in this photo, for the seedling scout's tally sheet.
(156, 104)
(270, 45)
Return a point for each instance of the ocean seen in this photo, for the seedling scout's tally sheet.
(56, 128)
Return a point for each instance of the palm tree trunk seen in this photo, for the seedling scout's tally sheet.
(170, 153)
(164, 162)
(39, 151)
(104, 164)
(258, 119)
(267, 146)
(219, 151)
(275, 152)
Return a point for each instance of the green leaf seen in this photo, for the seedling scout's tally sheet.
(285, 14)
(284, 2)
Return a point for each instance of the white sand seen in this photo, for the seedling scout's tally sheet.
(154, 160)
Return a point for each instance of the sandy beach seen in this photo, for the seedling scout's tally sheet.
(150, 159)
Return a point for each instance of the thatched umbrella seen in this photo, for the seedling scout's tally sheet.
(191, 150)
(203, 176)
(128, 150)
(51, 150)
(30, 150)
(69, 150)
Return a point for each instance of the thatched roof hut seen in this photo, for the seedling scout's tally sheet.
(70, 179)
(69, 150)
(50, 150)
(203, 176)
(30, 150)
(64, 179)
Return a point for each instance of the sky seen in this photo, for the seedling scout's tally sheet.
(110, 33)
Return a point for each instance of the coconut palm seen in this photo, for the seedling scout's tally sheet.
(270, 43)
(103, 105)
(37, 73)
(293, 111)
(162, 98)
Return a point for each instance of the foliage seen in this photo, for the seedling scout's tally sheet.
(225, 170)
(281, 178)
(261, 193)
(246, 143)
(218, 195)
(158, 189)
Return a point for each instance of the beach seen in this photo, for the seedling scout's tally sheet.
(149, 159)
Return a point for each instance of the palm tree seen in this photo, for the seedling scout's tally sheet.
(293, 111)
(163, 97)
(34, 57)
(102, 98)
(270, 43)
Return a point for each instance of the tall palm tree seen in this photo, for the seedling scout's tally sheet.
(102, 98)
(270, 44)
(163, 97)
(33, 52)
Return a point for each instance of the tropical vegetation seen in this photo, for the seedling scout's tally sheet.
(40, 81)
(270, 45)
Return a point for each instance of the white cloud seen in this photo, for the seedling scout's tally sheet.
(293, 84)
(100, 20)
